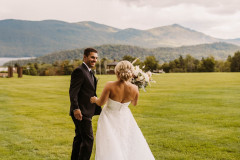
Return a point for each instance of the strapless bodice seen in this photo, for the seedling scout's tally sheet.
(115, 105)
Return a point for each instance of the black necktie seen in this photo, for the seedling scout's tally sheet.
(92, 75)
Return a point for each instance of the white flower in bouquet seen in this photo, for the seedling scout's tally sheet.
(149, 73)
(140, 78)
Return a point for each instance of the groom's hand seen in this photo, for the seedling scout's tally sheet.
(77, 114)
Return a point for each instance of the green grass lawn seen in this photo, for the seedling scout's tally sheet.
(182, 116)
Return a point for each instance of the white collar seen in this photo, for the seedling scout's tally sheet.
(89, 69)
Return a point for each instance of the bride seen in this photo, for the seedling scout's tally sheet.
(118, 136)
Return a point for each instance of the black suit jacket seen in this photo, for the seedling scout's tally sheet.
(82, 88)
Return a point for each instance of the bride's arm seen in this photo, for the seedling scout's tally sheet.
(104, 96)
(135, 100)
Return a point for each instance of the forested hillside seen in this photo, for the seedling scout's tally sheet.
(162, 54)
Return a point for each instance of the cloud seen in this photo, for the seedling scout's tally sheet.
(214, 6)
(216, 18)
(219, 18)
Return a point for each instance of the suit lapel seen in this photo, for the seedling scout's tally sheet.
(95, 80)
(89, 76)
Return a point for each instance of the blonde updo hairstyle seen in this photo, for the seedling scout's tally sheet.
(124, 70)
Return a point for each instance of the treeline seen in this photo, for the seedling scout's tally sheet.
(208, 64)
(191, 64)
(150, 63)
(57, 68)
(65, 67)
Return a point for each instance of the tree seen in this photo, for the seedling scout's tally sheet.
(196, 64)
(189, 63)
(104, 65)
(207, 65)
(181, 63)
(229, 59)
(33, 70)
(66, 68)
(165, 67)
(219, 66)
(150, 63)
(128, 58)
(16, 65)
(36, 65)
(26, 70)
(227, 64)
(55, 64)
(235, 64)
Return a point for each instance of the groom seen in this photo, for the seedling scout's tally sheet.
(82, 88)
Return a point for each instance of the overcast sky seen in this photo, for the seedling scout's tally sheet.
(217, 18)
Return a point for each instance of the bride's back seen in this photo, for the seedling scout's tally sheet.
(123, 91)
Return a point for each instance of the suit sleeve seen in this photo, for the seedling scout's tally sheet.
(75, 86)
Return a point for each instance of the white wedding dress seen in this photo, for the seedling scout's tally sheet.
(118, 136)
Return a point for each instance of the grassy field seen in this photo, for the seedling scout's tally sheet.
(182, 116)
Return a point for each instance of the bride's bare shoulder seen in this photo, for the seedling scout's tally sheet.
(133, 86)
(109, 83)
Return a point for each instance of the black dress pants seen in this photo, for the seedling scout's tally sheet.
(83, 140)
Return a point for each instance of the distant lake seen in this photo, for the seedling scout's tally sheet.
(7, 59)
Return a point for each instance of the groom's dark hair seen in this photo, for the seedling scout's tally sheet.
(88, 50)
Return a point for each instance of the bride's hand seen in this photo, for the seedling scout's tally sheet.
(93, 99)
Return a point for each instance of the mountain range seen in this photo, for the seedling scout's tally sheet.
(19, 38)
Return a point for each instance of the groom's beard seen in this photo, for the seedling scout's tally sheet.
(91, 64)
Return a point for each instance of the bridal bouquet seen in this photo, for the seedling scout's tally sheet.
(140, 78)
